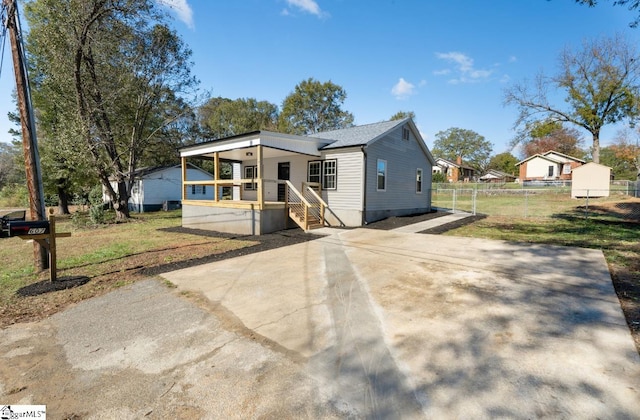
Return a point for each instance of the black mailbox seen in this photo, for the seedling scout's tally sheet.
(38, 227)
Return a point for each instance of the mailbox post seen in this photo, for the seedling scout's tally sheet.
(43, 232)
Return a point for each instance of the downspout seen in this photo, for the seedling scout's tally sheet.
(364, 186)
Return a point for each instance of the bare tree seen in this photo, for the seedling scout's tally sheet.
(630, 4)
(601, 86)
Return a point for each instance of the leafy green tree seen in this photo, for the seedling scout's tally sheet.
(11, 172)
(467, 145)
(601, 84)
(503, 162)
(438, 178)
(114, 72)
(222, 117)
(400, 115)
(314, 107)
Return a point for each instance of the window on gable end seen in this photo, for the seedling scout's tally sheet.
(405, 133)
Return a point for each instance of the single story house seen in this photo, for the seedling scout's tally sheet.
(155, 186)
(494, 175)
(549, 166)
(454, 171)
(347, 177)
(591, 180)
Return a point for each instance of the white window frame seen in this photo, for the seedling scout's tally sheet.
(328, 173)
(566, 168)
(385, 170)
(419, 178)
(551, 171)
(316, 177)
(250, 173)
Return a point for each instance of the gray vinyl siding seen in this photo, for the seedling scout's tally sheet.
(403, 158)
(348, 192)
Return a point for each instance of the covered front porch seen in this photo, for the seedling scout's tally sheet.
(259, 184)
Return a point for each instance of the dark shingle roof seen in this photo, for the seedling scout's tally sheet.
(359, 135)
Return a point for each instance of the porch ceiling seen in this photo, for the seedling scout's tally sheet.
(251, 153)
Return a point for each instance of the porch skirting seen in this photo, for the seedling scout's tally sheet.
(241, 220)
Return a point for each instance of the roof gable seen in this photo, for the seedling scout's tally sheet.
(589, 165)
(562, 155)
(552, 156)
(537, 156)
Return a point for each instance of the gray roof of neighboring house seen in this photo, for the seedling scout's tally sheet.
(359, 135)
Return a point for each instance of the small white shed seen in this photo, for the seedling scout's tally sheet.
(590, 180)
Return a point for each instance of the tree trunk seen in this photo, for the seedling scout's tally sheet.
(121, 203)
(595, 153)
(63, 200)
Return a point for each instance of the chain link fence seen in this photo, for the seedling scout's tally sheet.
(515, 200)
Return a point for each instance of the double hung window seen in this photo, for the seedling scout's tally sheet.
(250, 172)
(324, 172)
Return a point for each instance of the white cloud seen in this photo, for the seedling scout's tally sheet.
(464, 69)
(403, 89)
(308, 6)
(180, 8)
(513, 59)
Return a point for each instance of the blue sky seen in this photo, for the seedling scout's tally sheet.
(448, 61)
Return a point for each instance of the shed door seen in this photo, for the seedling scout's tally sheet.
(283, 174)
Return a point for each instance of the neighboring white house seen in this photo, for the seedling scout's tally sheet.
(363, 174)
(548, 166)
(591, 180)
(494, 175)
(152, 187)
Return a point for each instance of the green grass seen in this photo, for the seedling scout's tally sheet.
(518, 203)
(619, 240)
(108, 252)
(567, 229)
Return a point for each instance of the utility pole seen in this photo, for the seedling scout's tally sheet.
(27, 119)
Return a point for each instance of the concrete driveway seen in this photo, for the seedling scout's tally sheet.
(359, 324)
(392, 325)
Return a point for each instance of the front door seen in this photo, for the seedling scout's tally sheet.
(283, 174)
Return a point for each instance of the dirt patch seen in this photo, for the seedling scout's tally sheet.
(627, 210)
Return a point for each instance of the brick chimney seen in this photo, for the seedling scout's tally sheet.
(459, 160)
